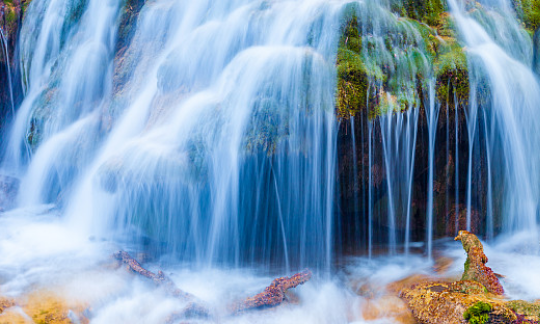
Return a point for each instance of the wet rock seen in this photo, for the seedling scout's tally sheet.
(475, 268)
(439, 303)
(387, 307)
(42, 307)
(476, 298)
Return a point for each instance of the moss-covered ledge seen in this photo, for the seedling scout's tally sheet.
(379, 73)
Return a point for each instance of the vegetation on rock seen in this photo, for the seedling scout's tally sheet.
(478, 313)
(529, 13)
(475, 268)
(392, 72)
(468, 299)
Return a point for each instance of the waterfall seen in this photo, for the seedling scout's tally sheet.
(501, 57)
(225, 143)
(432, 116)
(5, 53)
(207, 132)
(399, 134)
(211, 136)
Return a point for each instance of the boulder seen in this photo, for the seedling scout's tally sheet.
(476, 298)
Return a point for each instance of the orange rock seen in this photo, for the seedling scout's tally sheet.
(43, 307)
(5, 303)
(436, 303)
(409, 282)
(475, 268)
(387, 307)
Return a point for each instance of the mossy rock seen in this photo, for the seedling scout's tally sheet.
(475, 268)
(437, 303)
(353, 83)
(426, 11)
(467, 300)
(451, 71)
(529, 13)
(468, 287)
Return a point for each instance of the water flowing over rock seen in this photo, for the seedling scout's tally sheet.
(228, 142)
(9, 187)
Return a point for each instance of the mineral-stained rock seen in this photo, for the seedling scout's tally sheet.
(475, 299)
(475, 268)
(274, 294)
(42, 307)
(468, 287)
(438, 303)
(387, 307)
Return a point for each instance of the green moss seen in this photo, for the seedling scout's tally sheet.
(391, 71)
(447, 26)
(11, 16)
(350, 37)
(467, 265)
(352, 72)
(529, 13)
(452, 75)
(353, 83)
(24, 7)
(478, 313)
(426, 11)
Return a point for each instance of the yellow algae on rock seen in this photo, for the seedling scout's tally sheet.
(42, 307)
(5, 303)
(439, 303)
(387, 307)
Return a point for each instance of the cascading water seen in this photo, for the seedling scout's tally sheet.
(5, 54)
(399, 133)
(202, 137)
(501, 57)
(222, 154)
